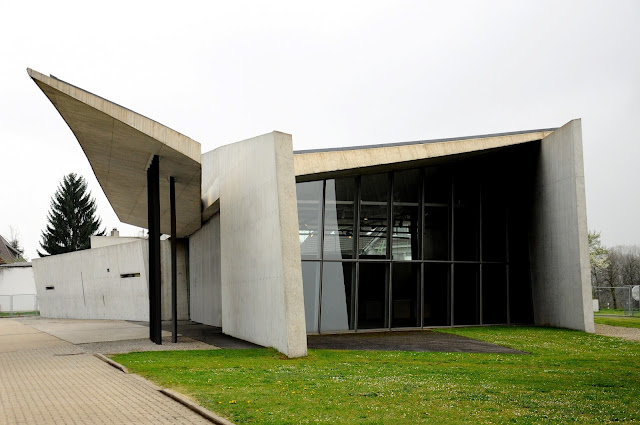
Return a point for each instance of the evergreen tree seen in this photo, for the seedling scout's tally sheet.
(72, 218)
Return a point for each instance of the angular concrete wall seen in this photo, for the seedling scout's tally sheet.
(558, 242)
(261, 273)
(88, 284)
(204, 274)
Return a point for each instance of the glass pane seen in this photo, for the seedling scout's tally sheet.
(337, 297)
(520, 306)
(437, 185)
(339, 218)
(437, 300)
(311, 289)
(309, 195)
(494, 293)
(437, 234)
(406, 186)
(405, 305)
(466, 294)
(466, 220)
(373, 296)
(494, 223)
(405, 232)
(406, 215)
(373, 216)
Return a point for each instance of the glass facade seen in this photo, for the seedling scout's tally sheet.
(441, 245)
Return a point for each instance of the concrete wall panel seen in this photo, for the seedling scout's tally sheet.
(261, 274)
(89, 284)
(204, 268)
(558, 244)
(19, 282)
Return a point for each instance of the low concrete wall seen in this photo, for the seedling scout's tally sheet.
(17, 281)
(95, 283)
(102, 241)
(558, 244)
(261, 278)
(204, 270)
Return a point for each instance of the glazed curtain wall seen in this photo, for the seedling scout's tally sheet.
(434, 246)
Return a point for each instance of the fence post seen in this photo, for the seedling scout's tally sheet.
(10, 305)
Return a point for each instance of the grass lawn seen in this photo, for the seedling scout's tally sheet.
(568, 377)
(614, 312)
(627, 322)
(21, 313)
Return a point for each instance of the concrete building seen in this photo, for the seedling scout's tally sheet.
(463, 231)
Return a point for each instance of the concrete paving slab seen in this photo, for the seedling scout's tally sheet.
(87, 331)
(15, 336)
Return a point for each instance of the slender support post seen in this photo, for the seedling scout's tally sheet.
(174, 262)
(155, 294)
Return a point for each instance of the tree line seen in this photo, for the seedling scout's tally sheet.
(612, 267)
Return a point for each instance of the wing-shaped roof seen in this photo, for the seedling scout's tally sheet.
(119, 145)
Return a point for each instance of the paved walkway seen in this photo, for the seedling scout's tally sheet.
(46, 380)
(631, 334)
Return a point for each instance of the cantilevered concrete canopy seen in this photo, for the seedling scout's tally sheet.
(119, 144)
(322, 163)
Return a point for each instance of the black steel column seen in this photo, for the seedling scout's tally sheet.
(174, 262)
(153, 207)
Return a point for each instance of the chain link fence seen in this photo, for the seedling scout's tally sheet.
(616, 301)
(19, 305)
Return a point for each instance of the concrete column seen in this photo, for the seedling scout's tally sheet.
(559, 247)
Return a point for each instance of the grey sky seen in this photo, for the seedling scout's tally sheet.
(341, 73)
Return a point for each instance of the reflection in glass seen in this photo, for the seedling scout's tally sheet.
(466, 220)
(437, 234)
(339, 218)
(309, 195)
(520, 304)
(437, 185)
(373, 216)
(466, 294)
(337, 304)
(311, 289)
(373, 296)
(437, 299)
(405, 304)
(406, 215)
(494, 223)
(494, 293)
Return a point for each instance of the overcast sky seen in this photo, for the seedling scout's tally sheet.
(338, 74)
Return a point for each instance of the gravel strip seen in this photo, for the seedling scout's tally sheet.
(631, 334)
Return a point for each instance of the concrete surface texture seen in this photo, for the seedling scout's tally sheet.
(314, 165)
(262, 299)
(102, 241)
(204, 274)
(119, 144)
(107, 283)
(86, 331)
(19, 283)
(558, 237)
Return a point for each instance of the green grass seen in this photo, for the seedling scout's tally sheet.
(568, 377)
(626, 322)
(21, 313)
(613, 312)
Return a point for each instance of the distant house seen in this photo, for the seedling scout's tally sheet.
(8, 254)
